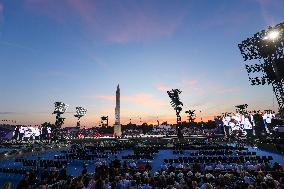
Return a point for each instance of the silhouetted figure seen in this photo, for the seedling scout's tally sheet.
(7, 185)
(62, 174)
(23, 184)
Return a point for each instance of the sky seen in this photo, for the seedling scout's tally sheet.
(77, 51)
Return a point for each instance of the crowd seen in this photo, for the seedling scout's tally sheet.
(211, 165)
(125, 175)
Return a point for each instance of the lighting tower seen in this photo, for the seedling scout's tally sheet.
(80, 112)
(191, 115)
(60, 109)
(242, 109)
(104, 121)
(177, 105)
(266, 46)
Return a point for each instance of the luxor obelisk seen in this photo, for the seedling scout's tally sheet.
(117, 126)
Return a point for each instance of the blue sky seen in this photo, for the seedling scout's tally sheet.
(77, 51)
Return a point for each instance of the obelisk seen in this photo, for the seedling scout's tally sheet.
(117, 126)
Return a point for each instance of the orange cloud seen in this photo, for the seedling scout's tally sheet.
(105, 97)
(144, 99)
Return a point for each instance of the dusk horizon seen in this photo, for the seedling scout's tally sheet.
(77, 52)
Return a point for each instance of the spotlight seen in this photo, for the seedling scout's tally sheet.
(80, 112)
(177, 105)
(266, 46)
(272, 35)
(60, 109)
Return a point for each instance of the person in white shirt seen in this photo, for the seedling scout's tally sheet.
(239, 168)
(22, 132)
(48, 132)
(265, 117)
(164, 166)
(132, 164)
(248, 126)
(229, 167)
(252, 122)
(37, 133)
(269, 118)
(247, 178)
(179, 166)
(219, 166)
(226, 121)
(208, 167)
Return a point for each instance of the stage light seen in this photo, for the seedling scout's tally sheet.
(191, 115)
(272, 35)
(104, 121)
(60, 109)
(177, 105)
(266, 46)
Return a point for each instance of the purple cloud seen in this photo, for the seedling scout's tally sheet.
(114, 21)
(1, 11)
(268, 8)
(140, 26)
(163, 87)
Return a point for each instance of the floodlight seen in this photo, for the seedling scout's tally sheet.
(272, 35)
(104, 121)
(267, 47)
(80, 112)
(60, 108)
(177, 105)
(191, 115)
(242, 109)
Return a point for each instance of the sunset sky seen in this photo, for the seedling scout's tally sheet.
(77, 51)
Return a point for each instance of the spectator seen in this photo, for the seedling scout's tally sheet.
(7, 185)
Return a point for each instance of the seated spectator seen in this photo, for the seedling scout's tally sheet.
(219, 166)
(7, 185)
(23, 184)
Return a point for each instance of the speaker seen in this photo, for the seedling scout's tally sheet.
(259, 125)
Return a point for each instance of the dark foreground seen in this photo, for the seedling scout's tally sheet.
(147, 163)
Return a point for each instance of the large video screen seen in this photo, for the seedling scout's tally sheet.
(30, 132)
(239, 122)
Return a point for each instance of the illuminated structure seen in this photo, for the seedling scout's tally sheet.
(266, 46)
(104, 121)
(177, 105)
(80, 112)
(117, 126)
(241, 109)
(60, 109)
(191, 115)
